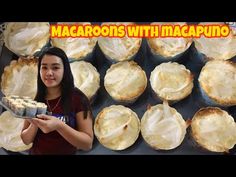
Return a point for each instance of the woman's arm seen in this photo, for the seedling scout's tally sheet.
(81, 138)
(28, 132)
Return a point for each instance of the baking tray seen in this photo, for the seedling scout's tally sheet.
(186, 107)
(18, 116)
(13, 114)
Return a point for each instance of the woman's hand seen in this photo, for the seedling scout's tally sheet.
(30, 120)
(29, 131)
(47, 123)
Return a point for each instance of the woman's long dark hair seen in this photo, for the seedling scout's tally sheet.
(67, 83)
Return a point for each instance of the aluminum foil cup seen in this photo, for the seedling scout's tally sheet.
(207, 100)
(41, 110)
(30, 111)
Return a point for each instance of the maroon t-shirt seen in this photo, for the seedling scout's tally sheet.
(53, 142)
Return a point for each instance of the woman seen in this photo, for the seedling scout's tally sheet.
(69, 127)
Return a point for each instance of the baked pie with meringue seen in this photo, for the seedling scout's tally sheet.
(162, 127)
(75, 48)
(10, 131)
(221, 48)
(119, 49)
(214, 129)
(26, 38)
(168, 47)
(171, 81)
(117, 127)
(86, 78)
(125, 81)
(217, 81)
(20, 78)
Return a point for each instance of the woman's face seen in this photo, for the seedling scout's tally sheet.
(51, 71)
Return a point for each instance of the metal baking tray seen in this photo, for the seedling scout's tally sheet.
(15, 115)
(18, 116)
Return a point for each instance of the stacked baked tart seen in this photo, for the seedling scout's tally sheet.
(24, 106)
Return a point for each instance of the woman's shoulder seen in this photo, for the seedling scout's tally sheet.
(78, 94)
(78, 100)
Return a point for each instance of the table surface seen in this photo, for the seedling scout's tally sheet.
(186, 107)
